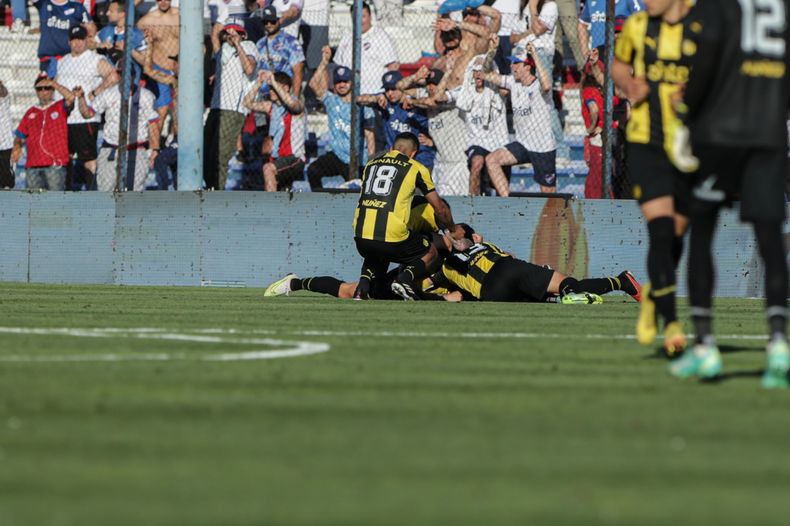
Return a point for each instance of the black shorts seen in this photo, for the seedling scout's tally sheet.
(413, 247)
(654, 176)
(755, 177)
(82, 140)
(474, 151)
(516, 280)
(289, 169)
(543, 163)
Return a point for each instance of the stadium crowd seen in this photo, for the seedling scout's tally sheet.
(482, 99)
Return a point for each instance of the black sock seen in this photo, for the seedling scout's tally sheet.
(296, 284)
(702, 318)
(661, 267)
(769, 241)
(701, 274)
(599, 285)
(413, 272)
(321, 285)
(677, 249)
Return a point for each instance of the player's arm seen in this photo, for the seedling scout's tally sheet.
(66, 93)
(109, 75)
(635, 89)
(536, 25)
(494, 19)
(298, 76)
(414, 79)
(250, 103)
(82, 104)
(443, 215)
(542, 72)
(583, 29)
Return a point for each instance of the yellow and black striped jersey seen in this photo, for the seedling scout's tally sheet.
(422, 218)
(388, 186)
(467, 270)
(661, 53)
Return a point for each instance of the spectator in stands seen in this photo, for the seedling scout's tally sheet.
(538, 27)
(94, 74)
(289, 13)
(511, 14)
(568, 26)
(486, 116)
(19, 14)
(287, 130)
(592, 22)
(161, 29)
(57, 18)
(110, 40)
(166, 166)
(379, 54)
(43, 130)
(389, 12)
(6, 140)
(280, 52)
(236, 58)
(399, 118)
(450, 170)
(338, 110)
(530, 95)
(477, 27)
(592, 112)
(143, 138)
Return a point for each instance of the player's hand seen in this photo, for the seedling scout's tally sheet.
(425, 140)
(152, 158)
(16, 154)
(638, 90)
(453, 297)
(493, 42)
(531, 50)
(422, 73)
(444, 24)
(382, 101)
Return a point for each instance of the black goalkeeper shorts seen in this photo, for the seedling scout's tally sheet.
(516, 280)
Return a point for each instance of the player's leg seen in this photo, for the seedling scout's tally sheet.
(624, 281)
(500, 158)
(477, 161)
(414, 271)
(324, 285)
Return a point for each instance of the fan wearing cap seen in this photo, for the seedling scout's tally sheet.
(287, 129)
(94, 74)
(280, 52)
(530, 95)
(44, 132)
(337, 104)
(445, 121)
(235, 60)
(400, 119)
(57, 18)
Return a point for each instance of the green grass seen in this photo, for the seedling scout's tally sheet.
(397, 430)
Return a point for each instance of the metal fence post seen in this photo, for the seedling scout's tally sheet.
(126, 89)
(356, 59)
(606, 180)
(190, 97)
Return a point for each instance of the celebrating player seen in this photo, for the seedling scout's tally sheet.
(741, 65)
(380, 221)
(652, 58)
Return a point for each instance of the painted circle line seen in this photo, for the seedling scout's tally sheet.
(283, 348)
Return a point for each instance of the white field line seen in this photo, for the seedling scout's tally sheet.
(287, 349)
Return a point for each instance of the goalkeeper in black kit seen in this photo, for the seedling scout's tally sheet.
(734, 107)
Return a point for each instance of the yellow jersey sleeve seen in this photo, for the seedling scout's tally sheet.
(424, 181)
(626, 44)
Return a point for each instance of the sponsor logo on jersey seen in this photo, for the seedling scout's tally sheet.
(670, 73)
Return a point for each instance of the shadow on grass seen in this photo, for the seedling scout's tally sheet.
(659, 354)
(734, 375)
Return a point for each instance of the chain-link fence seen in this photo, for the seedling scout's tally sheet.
(502, 102)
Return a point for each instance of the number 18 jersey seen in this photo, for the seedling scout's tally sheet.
(388, 185)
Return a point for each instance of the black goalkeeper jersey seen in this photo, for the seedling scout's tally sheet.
(738, 93)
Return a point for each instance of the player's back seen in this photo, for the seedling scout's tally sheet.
(388, 186)
(738, 91)
(468, 269)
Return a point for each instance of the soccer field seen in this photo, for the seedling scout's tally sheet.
(173, 406)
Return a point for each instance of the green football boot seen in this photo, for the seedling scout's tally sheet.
(281, 287)
(777, 365)
(581, 298)
(703, 360)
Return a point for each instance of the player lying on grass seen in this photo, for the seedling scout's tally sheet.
(481, 271)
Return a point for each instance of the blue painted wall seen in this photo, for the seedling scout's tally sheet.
(252, 238)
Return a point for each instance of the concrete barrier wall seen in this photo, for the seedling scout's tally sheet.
(250, 239)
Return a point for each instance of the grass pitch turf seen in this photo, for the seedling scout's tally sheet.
(425, 413)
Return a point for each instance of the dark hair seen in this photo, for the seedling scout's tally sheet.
(589, 81)
(468, 230)
(408, 137)
(283, 78)
(365, 7)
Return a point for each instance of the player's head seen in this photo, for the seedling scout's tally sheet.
(477, 65)
(281, 78)
(407, 144)
(271, 22)
(659, 7)
(78, 39)
(342, 78)
(390, 83)
(470, 234)
(451, 39)
(523, 65)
